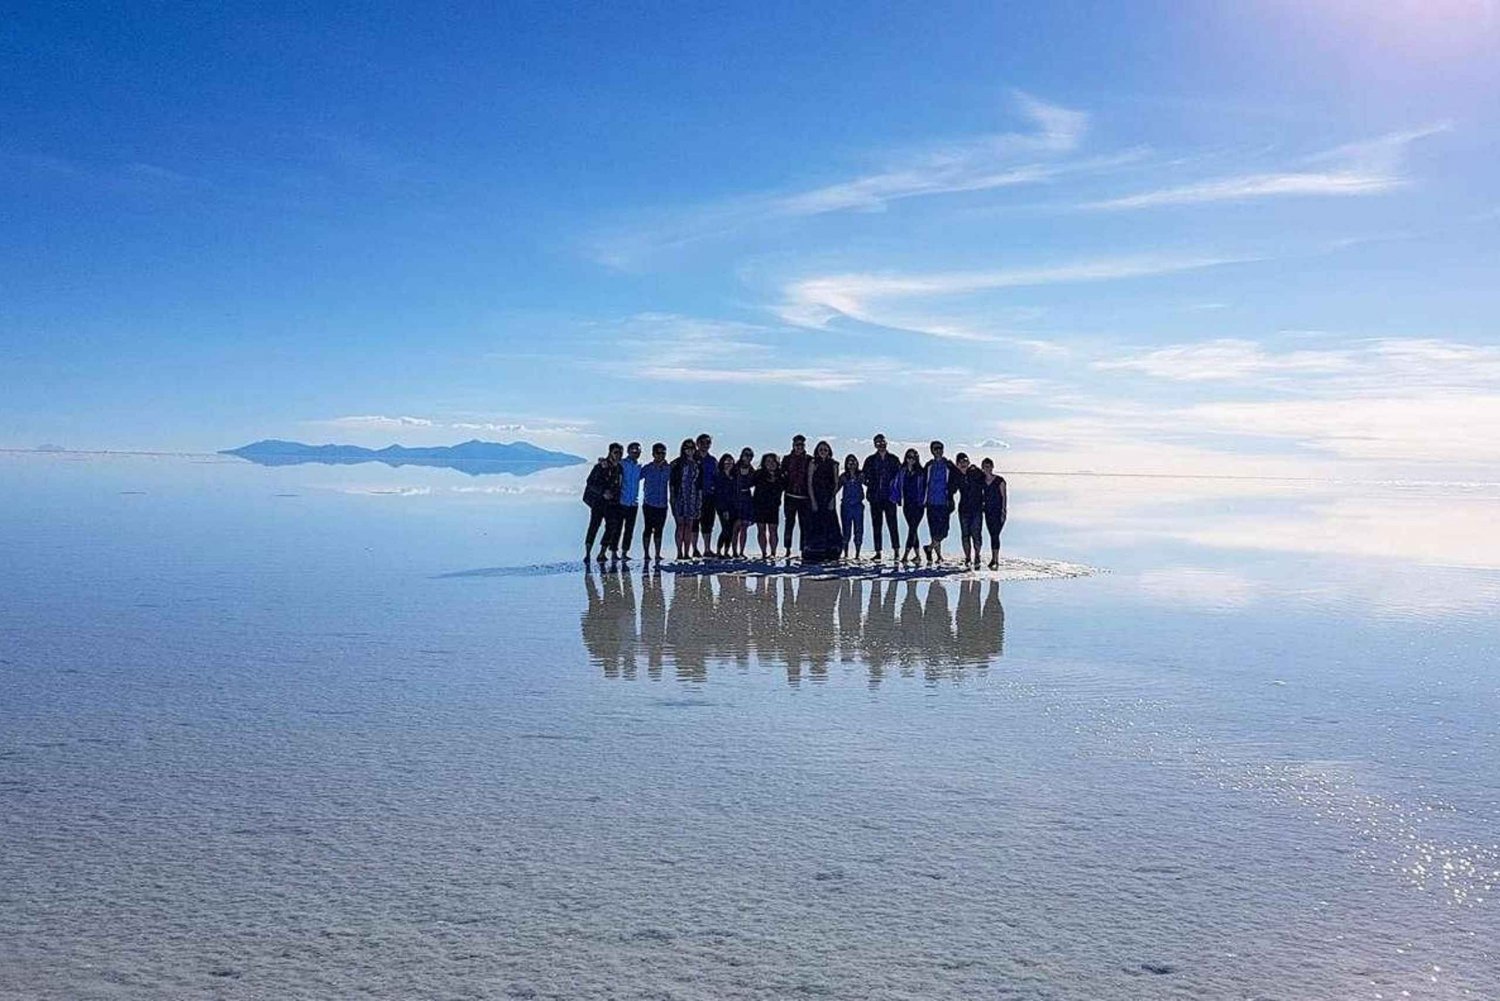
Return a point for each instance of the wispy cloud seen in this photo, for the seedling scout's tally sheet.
(1365, 168)
(868, 297)
(382, 422)
(976, 163)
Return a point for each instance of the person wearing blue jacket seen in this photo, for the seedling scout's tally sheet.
(630, 495)
(655, 476)
(942, 478)
(995, 503)
(909, 490)
(970, 489)
(879, 472)
(852, 505)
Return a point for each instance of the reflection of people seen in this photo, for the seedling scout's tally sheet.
(686, 490)
(654, 498)
(995, 504)
(879, 474)
(804, 626)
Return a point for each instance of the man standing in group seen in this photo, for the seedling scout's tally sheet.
(709, 467)
(630, 490)
(942, 478)
(795, 504)
(879, 473)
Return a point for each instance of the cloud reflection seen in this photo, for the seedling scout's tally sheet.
(688, 624)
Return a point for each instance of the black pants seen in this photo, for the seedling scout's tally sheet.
(794, 508)
(971, 527)
(726, 527)
(655, 521)
(994, 521)
(913, 514)
(707, 517)
(626, 515)
(604, 513)
(887, 510)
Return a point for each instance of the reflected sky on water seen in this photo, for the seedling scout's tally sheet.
(261, 728)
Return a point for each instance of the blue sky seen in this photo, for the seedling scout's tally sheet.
(1260, 237)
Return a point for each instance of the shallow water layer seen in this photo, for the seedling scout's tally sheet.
(265, 733)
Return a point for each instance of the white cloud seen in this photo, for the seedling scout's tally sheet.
(1366, 168)
(978, 163)
(1225, 359)
(379, 422)
(815, 302)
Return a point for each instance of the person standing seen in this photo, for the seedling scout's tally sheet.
(685, 487)
(970, 489)
(744, 500)
(941, 475)
(654, 498)
(821, 540)
(880, 470)
(769, 486)
(601, 493)
(995, 504)
(796, 498)
(707, 475)
(909, 490)
(630, 493)
(852, 505)
(724, 504)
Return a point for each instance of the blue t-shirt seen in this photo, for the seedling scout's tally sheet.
(937, 484)
(630, 481)
(654, 480)
(852, 491)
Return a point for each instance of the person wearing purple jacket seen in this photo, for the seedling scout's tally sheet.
(909, 490)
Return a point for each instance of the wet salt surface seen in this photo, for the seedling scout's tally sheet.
(260, 747)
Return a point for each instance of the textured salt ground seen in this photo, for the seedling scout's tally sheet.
(1011, 568)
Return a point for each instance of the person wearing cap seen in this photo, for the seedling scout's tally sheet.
(630, 494)
(879, 474)
(942, 476)
(970, 490)
(795, 499)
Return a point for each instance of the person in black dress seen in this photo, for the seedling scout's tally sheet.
(768, 488)
(821, 540)
(995, 504)
(744, 501)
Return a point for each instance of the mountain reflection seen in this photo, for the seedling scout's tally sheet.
(686, 624)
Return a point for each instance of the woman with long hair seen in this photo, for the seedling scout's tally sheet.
(769, 486)
(852, 505)
(724, 504)
(685, 489)
(823, 542)
(744, 501)
(909, 490)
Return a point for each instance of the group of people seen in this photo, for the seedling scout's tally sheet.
(730, 495)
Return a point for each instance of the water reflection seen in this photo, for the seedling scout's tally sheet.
(686, 624)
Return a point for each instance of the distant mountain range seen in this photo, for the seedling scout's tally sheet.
(477, 458)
